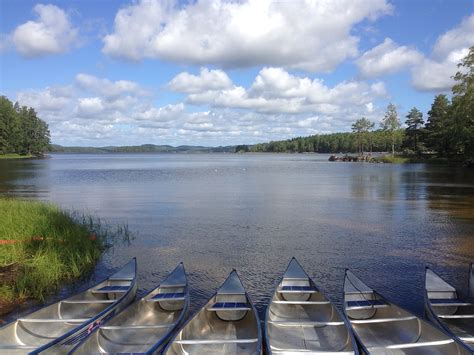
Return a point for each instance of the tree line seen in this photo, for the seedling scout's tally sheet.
(21, 130)
(448, 131)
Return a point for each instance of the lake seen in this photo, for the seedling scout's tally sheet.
(253, 212)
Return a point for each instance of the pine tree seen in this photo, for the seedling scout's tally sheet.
(391, 124)
(462, 140)
(438, 125)
(414, 124)
(361, 127)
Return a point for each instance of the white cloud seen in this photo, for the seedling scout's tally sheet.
(387, 58)
(275, 91)
(51, 33)
(90, 106)
(455, 39)
(206, 80)
(277, 105)
(312, 35)
(49, 99)
(435, 73)
(106, 87)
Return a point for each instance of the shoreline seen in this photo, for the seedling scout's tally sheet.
(13, 156)
(42, 247)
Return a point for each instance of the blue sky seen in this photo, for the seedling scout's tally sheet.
(219, 72)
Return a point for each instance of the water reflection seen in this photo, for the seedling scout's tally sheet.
(253, 212)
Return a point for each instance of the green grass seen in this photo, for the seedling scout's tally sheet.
(15, 156)
(393, 160)
(51, 246)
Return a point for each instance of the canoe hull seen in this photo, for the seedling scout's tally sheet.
(145, 326)
(217, 329)
(299, 318)
(55, 328)
(383, 327)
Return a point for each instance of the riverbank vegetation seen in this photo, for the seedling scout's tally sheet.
(22, 132)
(447, 134)
(42, 246)
(15, 156)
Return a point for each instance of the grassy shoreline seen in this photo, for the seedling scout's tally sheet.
(41, 246)
(16, 156)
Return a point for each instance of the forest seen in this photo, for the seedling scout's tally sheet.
(22, 132)
(448, 131)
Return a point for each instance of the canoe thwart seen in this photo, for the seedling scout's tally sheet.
(180, 285)
(87, 301)
(17, 347)
(53, 320)
(355, 305)
(123, 327)
(456, 316)
(112, 289)
(229, 306)
(121, 279)
(297, 289)
(301, 302)
(304, 323)
(382, 320)
(216, 341)
(178, 296)
(440, 302)
(305, 351)
(413, 345)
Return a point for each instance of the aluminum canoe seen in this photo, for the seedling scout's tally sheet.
(145, 326)
(227, 324)
(57, 328)
(445, 308)
(382, 327)
(301, 320)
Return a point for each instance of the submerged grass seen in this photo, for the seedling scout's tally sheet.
(42, 246)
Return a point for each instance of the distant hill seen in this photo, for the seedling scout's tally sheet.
(144, 148)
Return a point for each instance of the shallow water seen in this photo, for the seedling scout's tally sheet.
(253, 212)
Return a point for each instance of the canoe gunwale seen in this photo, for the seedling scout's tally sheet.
(431, 315)
(104, 313)
(341, 315)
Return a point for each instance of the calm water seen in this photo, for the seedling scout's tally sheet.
(253, 212)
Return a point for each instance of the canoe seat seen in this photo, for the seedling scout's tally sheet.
(382, 320)
(440, 302)
(412, 345)
(137, 326)
(286, 323)
(87, 301)
(229, 306)
(53, 320)
(364, 304)
(301, 302)
(456, 316)
(178, 296)
(297, 289)
(111, 289)
(216, 341)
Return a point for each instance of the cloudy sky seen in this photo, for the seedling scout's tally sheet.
(225, 72)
